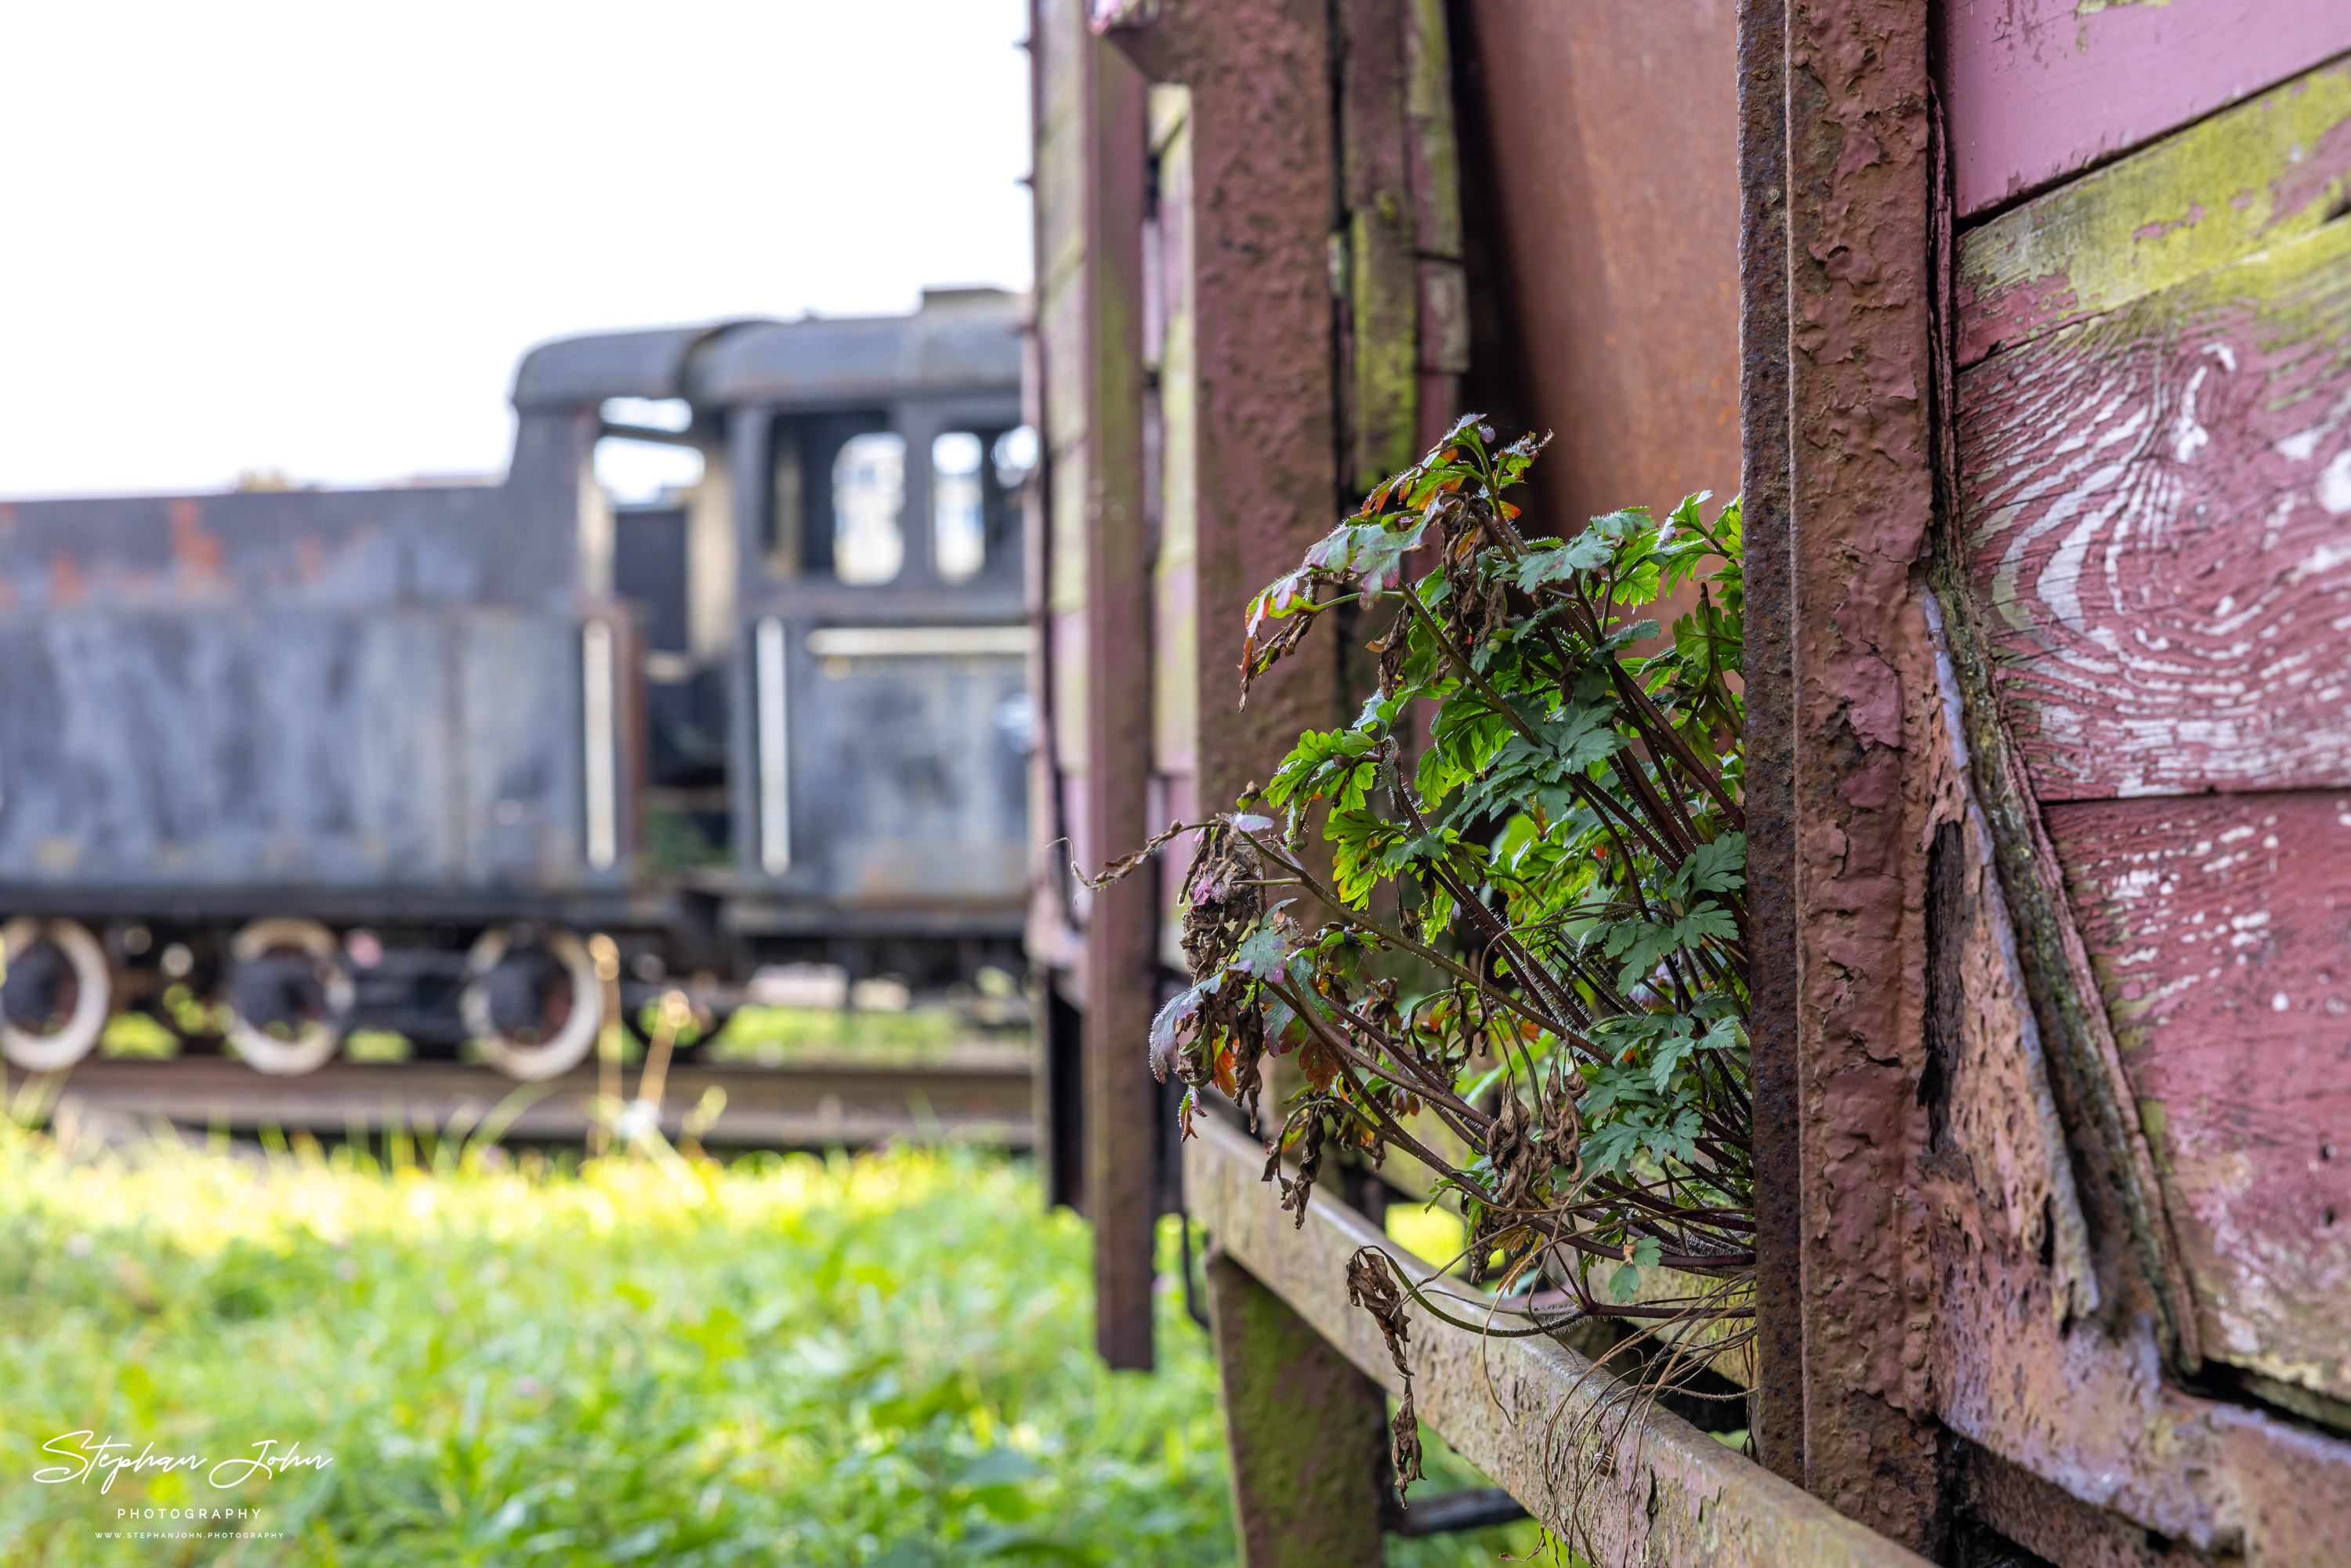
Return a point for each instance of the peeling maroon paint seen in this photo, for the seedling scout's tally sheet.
(2249, 178)
(2162, 226)
(2042, 88)
(2156, 504)
(2013, 313)
(2153, 386)
(1861, 501)
(2221, 929)
(1621, 285)
(2313, 175)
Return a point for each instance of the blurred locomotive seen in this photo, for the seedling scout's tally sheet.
(276, 766)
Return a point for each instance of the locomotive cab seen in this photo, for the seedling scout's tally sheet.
(729, 669)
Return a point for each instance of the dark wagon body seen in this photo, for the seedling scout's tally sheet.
(338, 759)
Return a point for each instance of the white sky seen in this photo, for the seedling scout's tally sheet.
(316, 237)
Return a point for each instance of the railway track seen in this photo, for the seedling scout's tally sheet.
(974, 1096)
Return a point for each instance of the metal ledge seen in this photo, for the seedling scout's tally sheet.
(1662, 1492)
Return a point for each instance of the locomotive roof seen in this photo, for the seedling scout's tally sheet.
(962, 339)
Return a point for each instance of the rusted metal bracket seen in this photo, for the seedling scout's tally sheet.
(1641, 1487)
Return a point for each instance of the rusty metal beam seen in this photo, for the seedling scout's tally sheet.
(1860, 154)
(982, 1099)
(1381, 345)
(1528, 1412)
(1609, 133)
(1268, 482)
(1779, 1409)
(1305, 1427)
(1121, 921)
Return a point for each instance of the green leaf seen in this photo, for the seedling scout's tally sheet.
(1260, 955)
(1549, 560)
(1717, 867)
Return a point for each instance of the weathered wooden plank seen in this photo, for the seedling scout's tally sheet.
(2154, 503)
(2221, 927)
(2025, 1337)
(2269, 170)
(2042, 88)
(1175, 634)
(1650, 1489)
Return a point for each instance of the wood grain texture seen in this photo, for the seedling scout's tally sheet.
(2269, 170)
(2222, 930)
(2042, 88)
(2156, 504)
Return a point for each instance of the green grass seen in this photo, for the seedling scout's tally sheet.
(775, 1037)
(877, 1361)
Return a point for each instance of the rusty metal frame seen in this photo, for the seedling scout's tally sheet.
(1770, 799)
(1836, 160)
(1122, 921)
(1263, 167)
(1850, 771)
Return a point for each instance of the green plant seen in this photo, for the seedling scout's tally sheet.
(1511, 902)
(880, 1360)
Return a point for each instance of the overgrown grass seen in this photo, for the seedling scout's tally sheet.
(873, 1361)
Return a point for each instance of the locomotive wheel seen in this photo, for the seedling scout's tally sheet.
(285, 974)
(532, 1012)
(57, 976)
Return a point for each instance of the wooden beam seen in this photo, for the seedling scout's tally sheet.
(1649, 1488)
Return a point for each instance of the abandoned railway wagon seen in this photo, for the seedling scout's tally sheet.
(2024, 330)
(280, 764)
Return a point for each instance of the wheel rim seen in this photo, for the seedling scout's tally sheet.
(573, 1039)
(315, 1039)
(93, 995)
